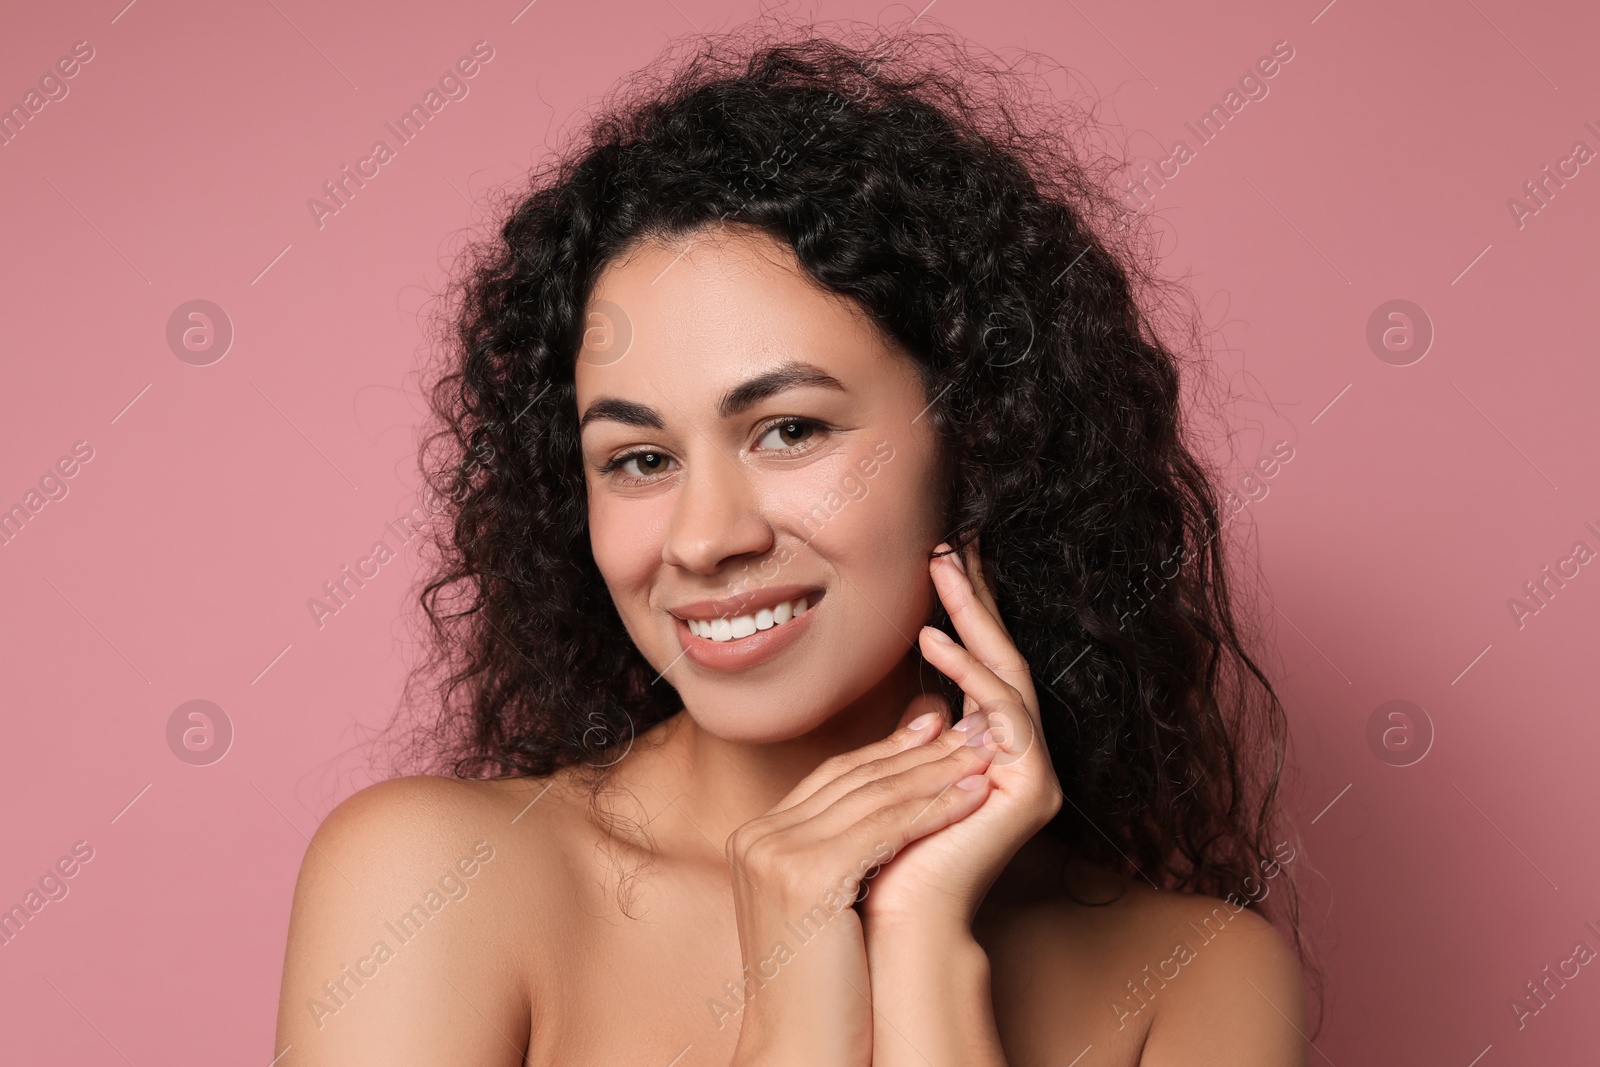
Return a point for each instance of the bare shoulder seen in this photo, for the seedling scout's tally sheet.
(390, 837)
(411, 913)
(1222, 984)
(428, 805)
(1149, 977)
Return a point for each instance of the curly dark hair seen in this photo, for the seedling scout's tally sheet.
(990, 249)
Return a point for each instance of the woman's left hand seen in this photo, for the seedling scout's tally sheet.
(945, 875)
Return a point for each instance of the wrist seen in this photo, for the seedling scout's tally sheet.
(935, 930)
(945, 945)
(933, 980)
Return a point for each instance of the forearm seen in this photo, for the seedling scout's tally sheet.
(931, 1000)
(801, 967)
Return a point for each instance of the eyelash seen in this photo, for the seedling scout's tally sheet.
(616, 462)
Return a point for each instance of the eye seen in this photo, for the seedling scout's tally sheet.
(649, 462)
(788, 433)
(639, 465)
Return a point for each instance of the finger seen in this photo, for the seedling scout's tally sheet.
(901, 824)
(903, 799)
(903, 738)
(975, 677)
(974, 618)
(978, 574)
(980, 628)
(880, 770)
(920, 705)
(913, 722)
(987, 690)
(869, 843)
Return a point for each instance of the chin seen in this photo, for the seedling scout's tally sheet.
(771, 707)
(739, 723)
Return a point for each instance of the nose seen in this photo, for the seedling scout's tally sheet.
(718, 517)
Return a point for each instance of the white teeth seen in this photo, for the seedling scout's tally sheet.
(745, 625)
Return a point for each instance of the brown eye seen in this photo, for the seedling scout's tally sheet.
(640, 465)
(648, 462)
(787, 434)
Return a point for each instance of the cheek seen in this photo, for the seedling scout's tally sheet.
(625, 538)
(878, 539)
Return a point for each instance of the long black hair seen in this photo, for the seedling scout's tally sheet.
(914, 179)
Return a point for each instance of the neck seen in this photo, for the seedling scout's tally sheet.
(719, 785)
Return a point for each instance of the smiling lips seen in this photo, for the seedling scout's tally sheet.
(744, 625)
(774, 619)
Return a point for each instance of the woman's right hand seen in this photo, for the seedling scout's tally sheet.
(796, 874)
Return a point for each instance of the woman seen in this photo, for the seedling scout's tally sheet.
(799, 407)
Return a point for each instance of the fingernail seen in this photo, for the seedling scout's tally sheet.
(923, 721)
(980, 740)
(938, 635)
(977, 718)
(971, 782)
(961, 564)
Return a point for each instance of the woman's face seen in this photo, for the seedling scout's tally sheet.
(764, 483)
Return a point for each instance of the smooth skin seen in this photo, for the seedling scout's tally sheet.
(700, 910)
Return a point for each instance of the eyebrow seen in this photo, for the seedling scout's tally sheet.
(624, 411)
(742, 397)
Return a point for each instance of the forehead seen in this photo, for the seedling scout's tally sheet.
(711, 309)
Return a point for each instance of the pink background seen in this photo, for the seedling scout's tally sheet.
(179, 564)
